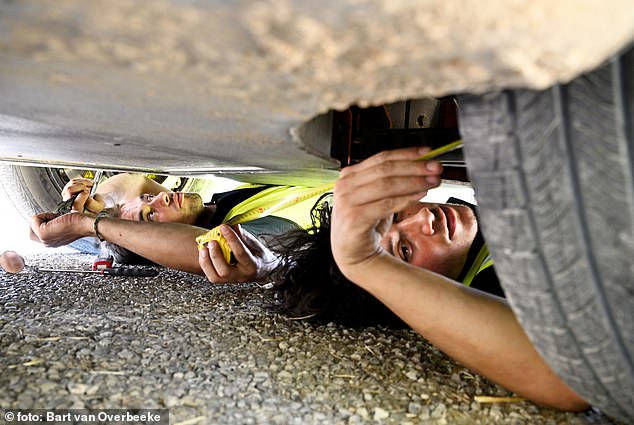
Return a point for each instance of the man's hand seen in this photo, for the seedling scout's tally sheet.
(75, 186)
(80, 188)
(54, 230)
(367, 195)
(254, 260)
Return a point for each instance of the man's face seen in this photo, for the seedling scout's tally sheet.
(436, 237)
(174, 207)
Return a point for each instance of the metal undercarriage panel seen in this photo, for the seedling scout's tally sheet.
(191, 85)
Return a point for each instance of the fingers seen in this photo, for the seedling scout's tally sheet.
(80, 201)
(93, 205)
(406, 154)
(363, 218)
(38, 222)
(238, 240)
(390, 173)
(246, 268)
(428, 173)
(216, 268)
(368, 194)
(85, 202)
(386, 182)
(33, 236)
(361, 191)
(388, 165)
(54, 230)
(381, 207)
(80, 180)
(204, 259)
(38, 219)
(75, 186)
(381, 189)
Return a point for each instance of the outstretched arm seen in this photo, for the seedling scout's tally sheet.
(169, 244)
(172, 245)
(474, 328)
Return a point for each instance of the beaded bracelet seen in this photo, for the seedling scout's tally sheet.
(99, 216)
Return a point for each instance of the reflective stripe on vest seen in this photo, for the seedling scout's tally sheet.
(483, 260)
(274, 200)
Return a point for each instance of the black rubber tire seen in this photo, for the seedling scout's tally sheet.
(33, 190)
(30, 189)
(554, 176)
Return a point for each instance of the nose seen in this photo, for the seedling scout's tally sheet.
(422, 221)
(161, 200)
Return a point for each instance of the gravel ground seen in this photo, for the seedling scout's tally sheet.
(213, 354)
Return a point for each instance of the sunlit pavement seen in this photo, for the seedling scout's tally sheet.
(216, 354)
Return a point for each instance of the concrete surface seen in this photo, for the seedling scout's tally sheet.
(186, 84)
(213, 354)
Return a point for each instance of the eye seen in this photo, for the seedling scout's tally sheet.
(405, 252)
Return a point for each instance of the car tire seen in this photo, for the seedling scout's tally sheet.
(553, 173)
(33, 190)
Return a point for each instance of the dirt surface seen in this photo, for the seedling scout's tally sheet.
(212, 354)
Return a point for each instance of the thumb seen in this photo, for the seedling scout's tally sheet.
(80, 200)
(43, 217)
(33, 236)
(38, 221)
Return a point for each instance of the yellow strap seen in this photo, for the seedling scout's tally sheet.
(482, 261)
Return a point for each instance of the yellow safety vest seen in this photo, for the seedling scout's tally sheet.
(482, 261)
(291, 202)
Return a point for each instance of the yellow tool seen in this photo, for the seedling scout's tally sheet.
(441, 150)
(215, 235)
(264, 208)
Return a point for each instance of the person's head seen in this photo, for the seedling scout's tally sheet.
(120, 254)
(433, 236)
(308, 282)
(174, 207)
(436, 237)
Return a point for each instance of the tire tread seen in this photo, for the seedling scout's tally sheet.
(554, 179)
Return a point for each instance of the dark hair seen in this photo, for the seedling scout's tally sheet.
(308, 282)
(120, 254)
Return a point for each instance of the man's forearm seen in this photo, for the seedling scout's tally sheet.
(172, 245)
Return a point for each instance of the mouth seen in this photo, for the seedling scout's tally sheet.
(450, 217)
(178, 200)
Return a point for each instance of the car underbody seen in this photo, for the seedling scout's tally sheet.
(191, 87)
